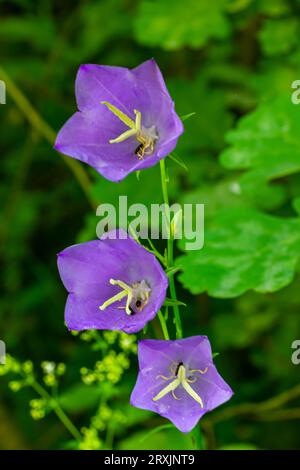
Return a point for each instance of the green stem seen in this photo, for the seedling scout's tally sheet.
(170, 260)
(196, 434)
(67, 422)
(57, 410)
(163, 325)
(109, 437)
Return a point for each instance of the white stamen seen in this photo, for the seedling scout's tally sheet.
(145, 136)
(180, 379)
(138, 291)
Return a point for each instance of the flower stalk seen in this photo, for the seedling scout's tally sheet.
(170, 251)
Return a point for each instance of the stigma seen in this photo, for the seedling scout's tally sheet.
(180, 375)
(137, 296)
(145, 136)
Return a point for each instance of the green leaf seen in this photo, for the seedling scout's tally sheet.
(265, 143)
(171, 25)
(278, 37)
(185, 117)
(172, 303)
(235, 6)
(173, 270)
(178, 160)
(266, 140)
(281, 82)
(209, 99)
(244, 249)
(273, 7)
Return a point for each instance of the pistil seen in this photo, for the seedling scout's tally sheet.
(181, 378)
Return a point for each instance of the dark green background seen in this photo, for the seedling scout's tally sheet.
(233, 63)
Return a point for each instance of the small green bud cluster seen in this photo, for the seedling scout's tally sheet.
(51, 372)
(90, 440)
(38, 408)
(111, 369)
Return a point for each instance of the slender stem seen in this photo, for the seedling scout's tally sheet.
(109, 437)
(196, 434)
(57, 410)
(170, 260)
(156, 252)
(164, 181)
(257, 409)
(176, 308)
(67, 422)
(46, 131)
(163, 325)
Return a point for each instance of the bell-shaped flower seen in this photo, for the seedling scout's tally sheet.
(113, 283)
(125, 122)
(178, 380)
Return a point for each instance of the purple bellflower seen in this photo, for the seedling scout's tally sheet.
(178, 380)
(125, 121)
(113, 284)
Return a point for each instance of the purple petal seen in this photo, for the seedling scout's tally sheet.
(86, 269)
(86, 135)
(149, 71)
(155, 359)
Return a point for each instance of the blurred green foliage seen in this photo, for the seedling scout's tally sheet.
(244, 249)
(233, 63)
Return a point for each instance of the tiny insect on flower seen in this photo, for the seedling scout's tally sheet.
(113, 283)
(145, 136)
(125, 122)
(178, 380)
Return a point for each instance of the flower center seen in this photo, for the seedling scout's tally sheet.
(137, 296)
(184, 377)
(146, 136)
